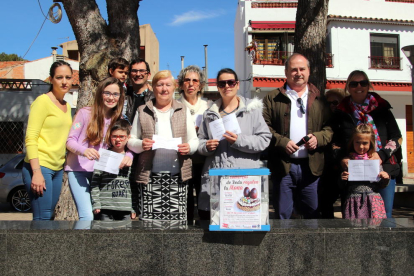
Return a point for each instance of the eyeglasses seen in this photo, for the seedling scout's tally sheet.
(301, 106)
(334, 102)
(230, 83)
(120, 137)
(354, 84)
(195, 81)
(141, 71)
(109, 94)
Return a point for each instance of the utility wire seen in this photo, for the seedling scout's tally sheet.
(38, 1)
(46, 18)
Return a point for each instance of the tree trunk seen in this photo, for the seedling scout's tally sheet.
(310, 38)
(98, 43)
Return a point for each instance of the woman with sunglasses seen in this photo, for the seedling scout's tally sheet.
(87, 135)
(364, 107)
(233, 150)
(191, 83)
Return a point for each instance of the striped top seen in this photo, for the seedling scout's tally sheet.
(113, 192)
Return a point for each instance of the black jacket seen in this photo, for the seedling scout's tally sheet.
(134, 101)
(344, 124)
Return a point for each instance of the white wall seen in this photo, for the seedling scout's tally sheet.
(39, 69)
(242, 37)
(372, 8)
(351, 48)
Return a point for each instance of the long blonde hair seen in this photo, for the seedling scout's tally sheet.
(95, 131)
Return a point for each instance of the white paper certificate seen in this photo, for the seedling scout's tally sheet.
(109, 161)
(199, 119)
(227, 123)
(363, 170)
(166, 143)
(240, 202)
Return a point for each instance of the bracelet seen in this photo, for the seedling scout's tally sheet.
(35, 169)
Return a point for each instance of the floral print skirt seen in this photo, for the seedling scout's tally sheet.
(363, 203)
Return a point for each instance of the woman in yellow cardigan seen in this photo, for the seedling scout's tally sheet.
(47, 130)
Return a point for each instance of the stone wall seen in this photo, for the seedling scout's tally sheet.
(292, 247)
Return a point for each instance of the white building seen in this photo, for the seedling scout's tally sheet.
(361, 34)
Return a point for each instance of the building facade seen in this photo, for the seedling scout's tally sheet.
(361, 34)
(149, 48)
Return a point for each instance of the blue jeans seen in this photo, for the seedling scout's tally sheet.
(43, 206)
(79, 183)
(299, 190)
(387, 195)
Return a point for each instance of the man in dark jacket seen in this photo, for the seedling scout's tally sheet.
(138, 93)
(292, 112)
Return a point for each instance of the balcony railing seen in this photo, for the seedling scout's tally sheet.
(279, 58)
(15, 84)
(377, 62)
(273, 58)
(276, 4)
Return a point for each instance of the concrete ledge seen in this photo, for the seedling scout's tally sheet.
(292, 247)
(401, 188)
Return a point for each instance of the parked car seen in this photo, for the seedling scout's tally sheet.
(12, 189)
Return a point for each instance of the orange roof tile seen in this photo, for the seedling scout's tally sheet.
(4, 64)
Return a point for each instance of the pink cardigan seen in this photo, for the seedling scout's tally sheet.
(77, 143)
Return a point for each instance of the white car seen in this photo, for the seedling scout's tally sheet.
(12, 189)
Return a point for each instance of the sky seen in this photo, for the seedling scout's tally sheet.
(181, 26)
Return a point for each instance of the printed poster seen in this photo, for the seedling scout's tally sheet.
(240, 202)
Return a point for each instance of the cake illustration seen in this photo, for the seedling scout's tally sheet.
(249, 201)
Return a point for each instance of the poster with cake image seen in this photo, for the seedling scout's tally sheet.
(240, 204)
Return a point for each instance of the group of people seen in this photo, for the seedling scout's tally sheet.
(129, 114)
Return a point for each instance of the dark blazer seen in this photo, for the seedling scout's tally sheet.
(276, 113)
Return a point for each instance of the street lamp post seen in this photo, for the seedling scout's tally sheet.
(206, 65)
(409, 53)
(182, 62)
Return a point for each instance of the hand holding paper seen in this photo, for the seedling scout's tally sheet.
(166, 143)
(230, 137)
(363, 170)
(184, 149)
(227, 123)
(147, 144)
(109, 161)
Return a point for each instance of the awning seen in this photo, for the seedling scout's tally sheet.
(272, 24)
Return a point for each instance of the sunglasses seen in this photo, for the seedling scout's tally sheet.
(334, 102)
(195, 81)
(109, 94)
(120, 137)
(354, 84)
(301, 106)
(230, 83)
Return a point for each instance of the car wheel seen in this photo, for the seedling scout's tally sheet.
(19, 200)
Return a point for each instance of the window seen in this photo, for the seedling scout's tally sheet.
(384, 51)
(11, 137)
(273, 48)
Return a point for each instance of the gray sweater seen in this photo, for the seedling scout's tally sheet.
(244, 153)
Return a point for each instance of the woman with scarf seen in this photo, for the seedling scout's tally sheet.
(364, 107)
